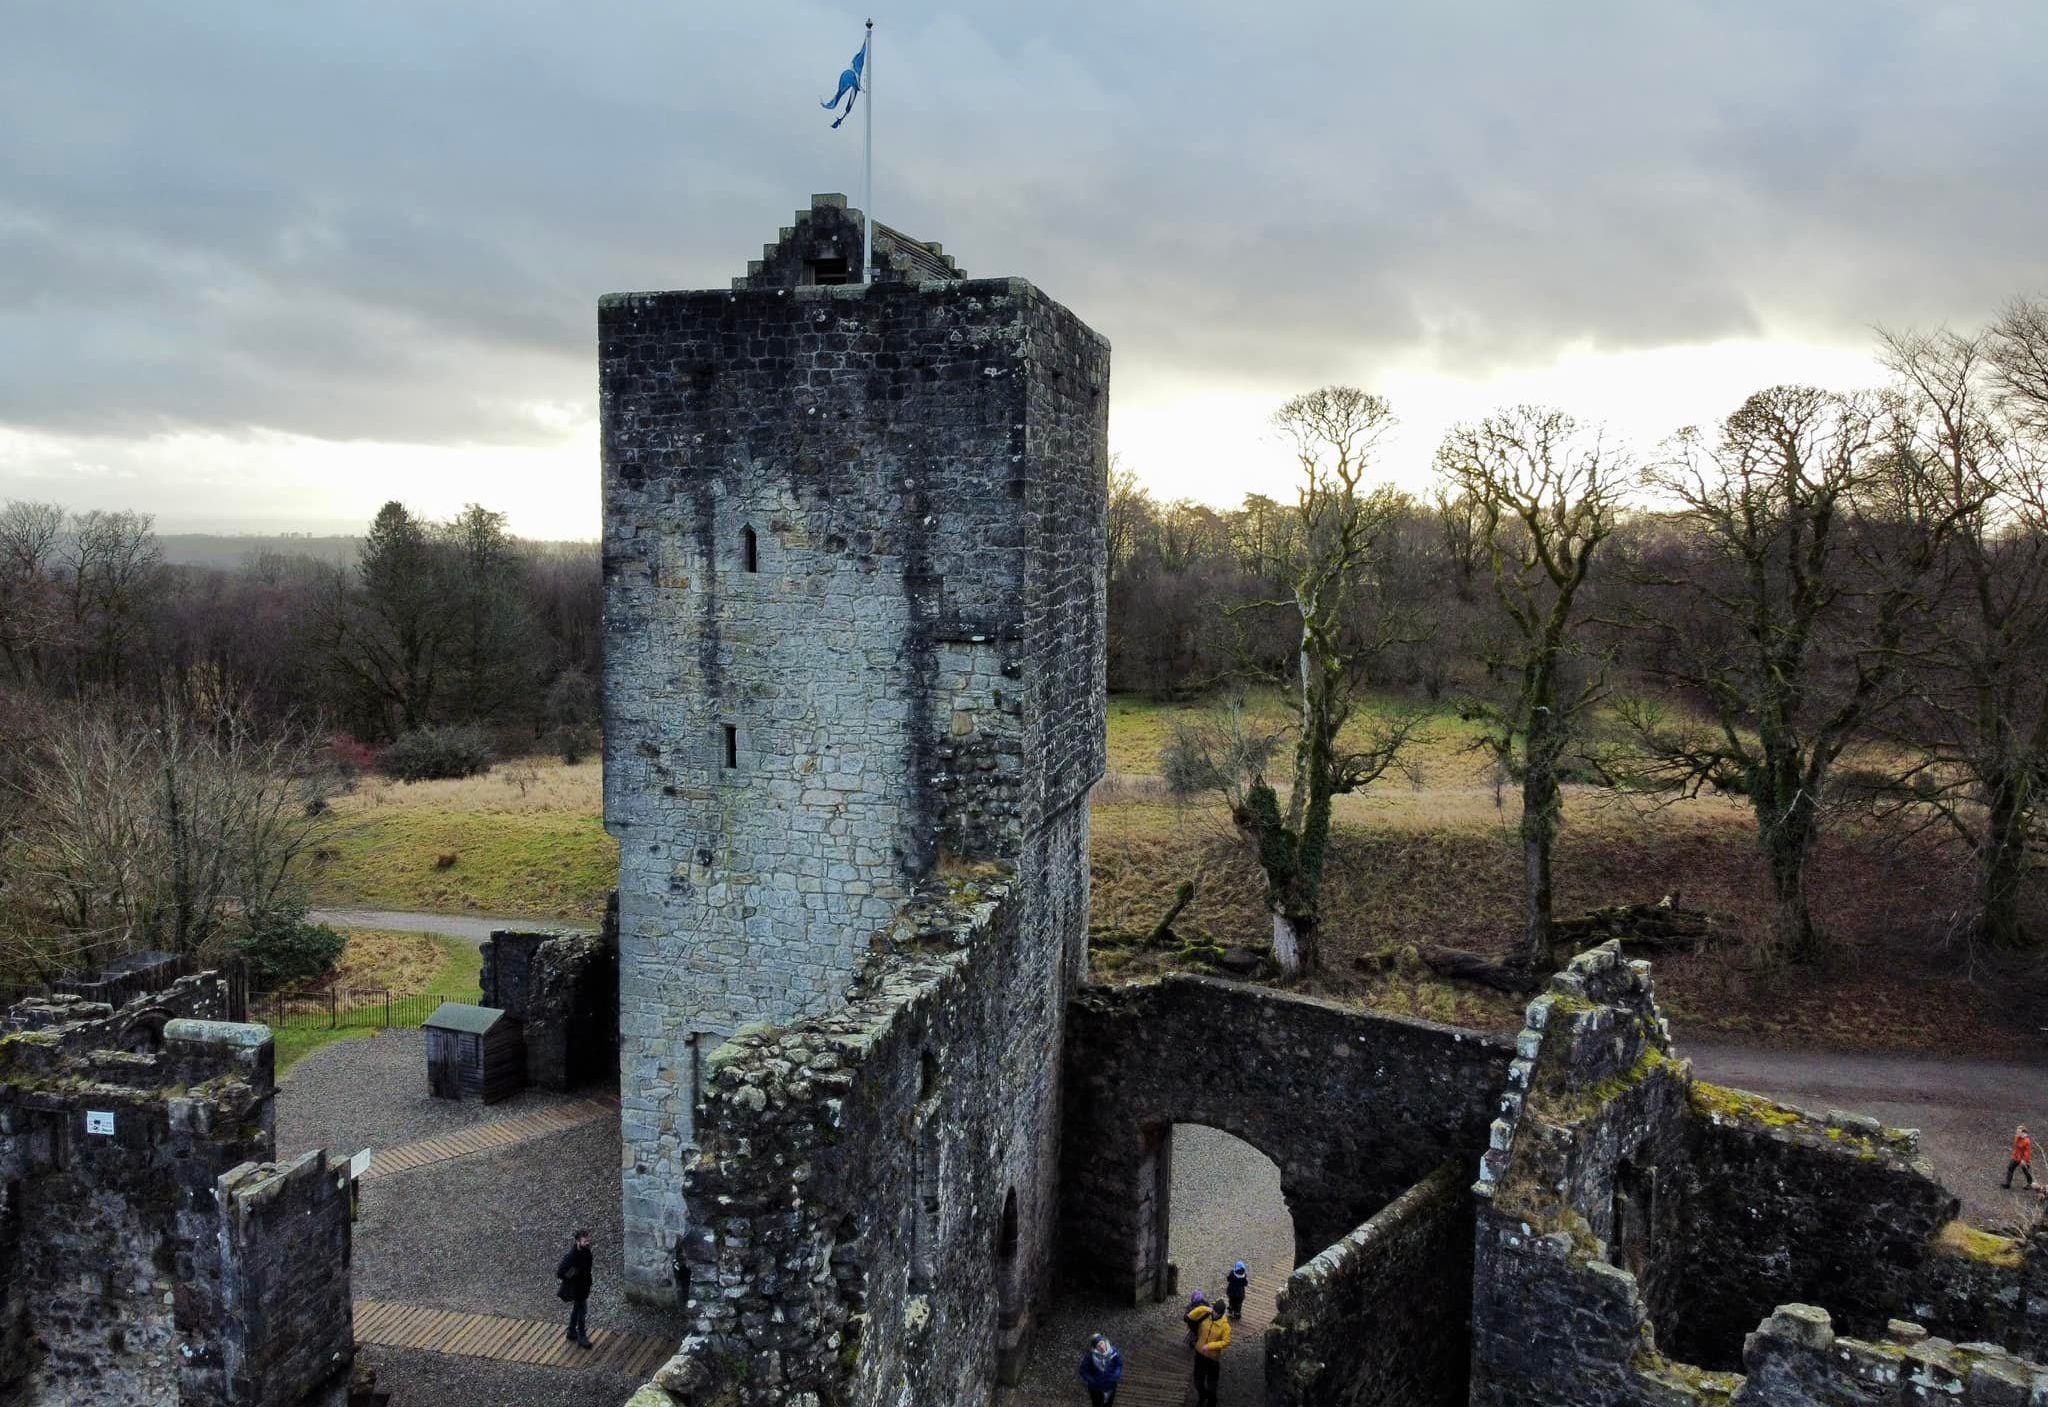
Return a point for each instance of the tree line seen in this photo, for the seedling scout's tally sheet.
(1829, 600)
(454, 623)
(170, 736)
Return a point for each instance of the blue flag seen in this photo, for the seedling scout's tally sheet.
(849, 86)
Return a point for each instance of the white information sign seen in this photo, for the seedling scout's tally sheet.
(99, 1121)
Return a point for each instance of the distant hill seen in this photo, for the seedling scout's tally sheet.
(233, 549)
(229, 550)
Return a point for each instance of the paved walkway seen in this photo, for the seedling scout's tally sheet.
(1226, 1207)
(471, 928)
(539, 1342)
(495, 1133)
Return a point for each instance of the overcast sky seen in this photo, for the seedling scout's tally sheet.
(268, 264)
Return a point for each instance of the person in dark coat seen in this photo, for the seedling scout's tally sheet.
(1233, 1289)
(1102, 1368)
(574, 1273)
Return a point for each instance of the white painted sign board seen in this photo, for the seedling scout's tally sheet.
(99, 1121)
(358, 1165)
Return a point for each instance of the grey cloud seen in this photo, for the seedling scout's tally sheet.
(392, 220)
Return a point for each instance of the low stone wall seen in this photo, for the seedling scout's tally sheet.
(565, 988)
(1381, 1318)
(1353, 1107)
(116, 1132)
(1794, 1359)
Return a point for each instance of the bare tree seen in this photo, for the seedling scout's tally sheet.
(1543, 496)
(2018, 348)
(1981, 724)
(1788, 623)
(1328, 567)
(167, 828)
(114, 567)
(32, 615)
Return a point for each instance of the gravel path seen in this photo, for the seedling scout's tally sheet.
(372, 1093)
(481, 1232)
(471, 928)
(417, 1379)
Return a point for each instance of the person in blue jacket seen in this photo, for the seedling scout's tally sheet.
(1102, 1368)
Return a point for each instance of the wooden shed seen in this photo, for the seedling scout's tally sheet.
(474, 1052)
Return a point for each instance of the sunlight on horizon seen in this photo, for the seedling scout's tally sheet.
(1208, 442)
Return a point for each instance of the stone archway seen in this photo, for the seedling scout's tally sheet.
(1353, 1107)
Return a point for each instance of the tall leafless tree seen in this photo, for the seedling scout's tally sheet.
(1543, 496)
(1327, 566)
(1788, 622)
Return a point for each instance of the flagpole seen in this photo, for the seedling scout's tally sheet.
(867, 197)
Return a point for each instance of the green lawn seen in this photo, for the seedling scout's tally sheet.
(550, 864)
(455, 979)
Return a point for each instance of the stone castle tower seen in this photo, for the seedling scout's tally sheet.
(854, 592)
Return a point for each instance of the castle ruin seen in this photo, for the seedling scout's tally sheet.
(854, 705)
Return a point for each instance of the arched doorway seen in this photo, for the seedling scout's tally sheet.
(1225, 1205)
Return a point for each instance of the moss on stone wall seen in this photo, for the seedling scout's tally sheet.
(1963, 1239)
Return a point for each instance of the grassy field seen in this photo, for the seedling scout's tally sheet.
(1427, 856)
(485, 845)
(403, 964)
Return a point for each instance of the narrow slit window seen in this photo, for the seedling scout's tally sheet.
(732, 747)
(750, 550)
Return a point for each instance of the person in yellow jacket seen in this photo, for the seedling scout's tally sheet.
(1212, 1336)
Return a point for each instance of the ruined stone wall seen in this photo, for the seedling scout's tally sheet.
(872, 1210)
(116, 1130)
(1629, 1217)
(1380, 1318)
(916, 475)
(1795, 1359)
(1353, 1107)
(564, 988)
(268, 1314)
(507, 966)
(1781, 1207)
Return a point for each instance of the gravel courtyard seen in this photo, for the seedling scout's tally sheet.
(480, 1233)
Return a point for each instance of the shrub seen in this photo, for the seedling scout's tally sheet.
(435, 754)
(280, 946)
(572, 742)
(349, 756)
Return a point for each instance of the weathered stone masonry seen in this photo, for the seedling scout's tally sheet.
(1379, 1318)
(854, 598)
(564, 990)
(1352, 1106)
(154, 1254)
(1629, 1214)
(873, 1208)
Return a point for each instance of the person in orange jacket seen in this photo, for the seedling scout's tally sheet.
(1212, 1336)
(2022, 1156)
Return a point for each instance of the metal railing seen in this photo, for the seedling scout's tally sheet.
(373, 1008)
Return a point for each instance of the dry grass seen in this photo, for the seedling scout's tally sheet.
(539, 786)
(1458, 883)
(395, 962)
(1435, 863)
